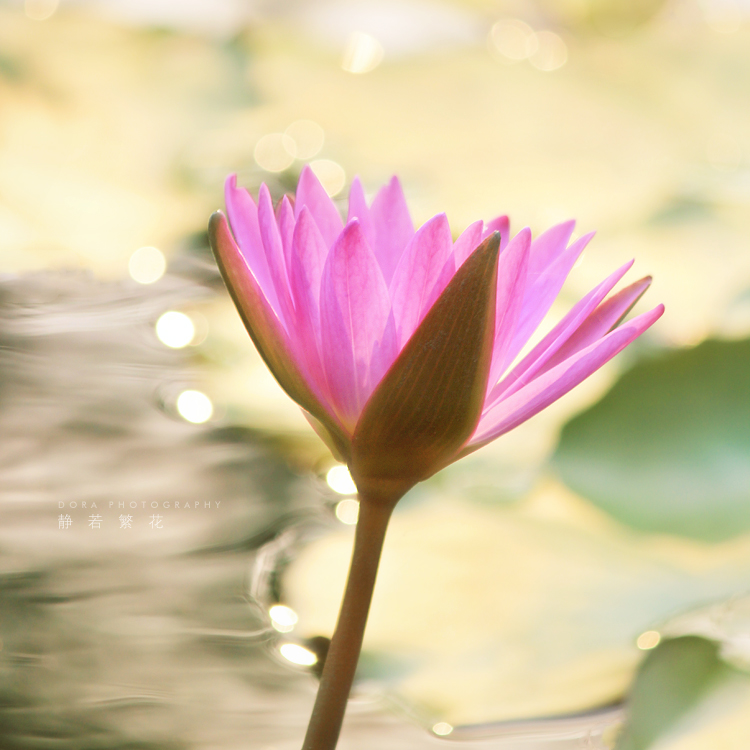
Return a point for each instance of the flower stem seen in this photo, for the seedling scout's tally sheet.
(343, 653)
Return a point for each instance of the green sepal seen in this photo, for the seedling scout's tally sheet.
(430, 400)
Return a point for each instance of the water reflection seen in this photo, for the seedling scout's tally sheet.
(138, 635)
(155, 625)
(175, 329)
(283, 618)
(147, 265)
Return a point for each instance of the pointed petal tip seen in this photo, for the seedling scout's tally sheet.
(352, 232)
(356, 187)
(231, 181)
(582, 243)
(220, 237)
(499, 223)
(307, 177)
(304, 211)
(645, 320)
(441, 217)
(618, 273)
(352, 224)
(587, 237)
(490, 244)
(217, 217)
(524, 236)
(643, 283)
(392, 190)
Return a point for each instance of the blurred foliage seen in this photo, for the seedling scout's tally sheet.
(511, 611)
(671, 681)
(668, 448)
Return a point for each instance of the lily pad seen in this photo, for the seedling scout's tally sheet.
(671, 681)
(668, 448)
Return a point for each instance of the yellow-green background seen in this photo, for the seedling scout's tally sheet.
(502, 593)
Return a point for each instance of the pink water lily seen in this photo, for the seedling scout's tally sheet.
(402, 347)
(332, 305)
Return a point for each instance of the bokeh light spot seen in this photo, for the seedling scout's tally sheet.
(283, 618)
(340, 480)
(362, 54)
(147, 265)
(551, 54)
(298, 654)
(40, 10)
(442, 729)
(175, 329)
(513, 39)
(275, 152)
(195, 407)
(648, 640)
(347, 511)
(308, 138)
(331, 175)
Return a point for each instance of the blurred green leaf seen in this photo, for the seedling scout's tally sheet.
(671, 681)
(668, 448)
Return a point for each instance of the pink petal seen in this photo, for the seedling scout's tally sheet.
(273, 343)
(243, 218)
(600, 322)
(540, 293)
(447, 272)
(468, 242)
(393, 226)
(498, 224)
(464, 246)
(358, 210)
(309, 254)
(549, 245)
(357, 329)
(547, 388)
(537, 358)
(417, 273)
(512, 274)
(269, 232)
(311, 193)
(285, 220)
